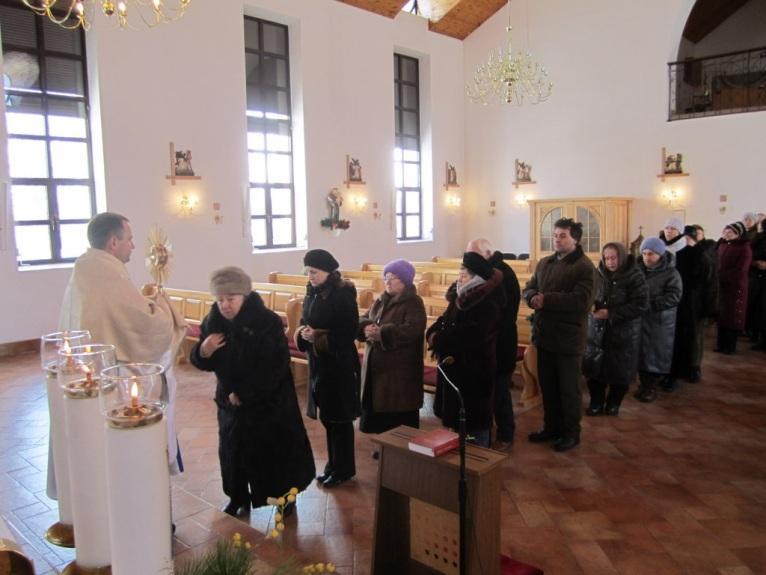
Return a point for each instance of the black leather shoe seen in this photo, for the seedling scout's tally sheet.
(336, 479)
(612, 410)
(695, 375)
(542, 436)
(593, 411)
(669, 384)
(236, 509)
(324, 477)
(566, 443)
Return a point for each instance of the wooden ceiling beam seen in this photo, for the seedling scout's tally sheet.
(387, 8)
(465, 17)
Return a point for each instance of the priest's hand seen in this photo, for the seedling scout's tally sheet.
(150, 290)
(234, 399)
(212, 343)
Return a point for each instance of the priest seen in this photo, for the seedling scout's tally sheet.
(142, 325)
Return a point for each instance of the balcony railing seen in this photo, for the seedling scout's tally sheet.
(724, 84)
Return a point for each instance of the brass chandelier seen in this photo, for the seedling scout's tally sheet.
(510, 76)
(80, 13)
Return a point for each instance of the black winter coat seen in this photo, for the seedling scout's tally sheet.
(625, 295)
(467, 331)
(759, 284)
(699, 301)
(567, 285)
(507, 333)
(334, 372)
(263, 441)
(658, 325)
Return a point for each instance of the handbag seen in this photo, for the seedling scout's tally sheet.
(593, 358)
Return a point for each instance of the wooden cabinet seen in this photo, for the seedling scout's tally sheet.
(604, 220)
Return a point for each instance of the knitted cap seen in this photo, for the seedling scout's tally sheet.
(321, 260)
(676, 223)
(477, 265)
(738, 228)
(401, 269)
(690, 231)
(654, 244)
(230, 280)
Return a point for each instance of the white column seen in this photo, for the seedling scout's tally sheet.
(87, 470)
(60, 533)
(139, 498)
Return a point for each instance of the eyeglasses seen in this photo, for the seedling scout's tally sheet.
(388, 278)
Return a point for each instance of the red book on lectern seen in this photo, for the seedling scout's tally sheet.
(435, 442)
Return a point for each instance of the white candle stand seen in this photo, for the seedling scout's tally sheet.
(78, 378)
(60, 533)
(133, 401)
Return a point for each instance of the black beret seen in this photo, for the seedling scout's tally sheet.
(321, 260)
(477, 265)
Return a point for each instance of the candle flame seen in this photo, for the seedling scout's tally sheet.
(66, 348)
(134, 391)
(86, 369)
(87, 349)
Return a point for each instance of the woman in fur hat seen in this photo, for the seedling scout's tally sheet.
(262, 443)
(467, 332)
(734, 258)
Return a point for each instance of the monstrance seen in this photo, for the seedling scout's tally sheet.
(158, 254)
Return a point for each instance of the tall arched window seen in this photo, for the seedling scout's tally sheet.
(591, 230)
(546, 229)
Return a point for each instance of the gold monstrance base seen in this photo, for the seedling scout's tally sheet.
(60, 534)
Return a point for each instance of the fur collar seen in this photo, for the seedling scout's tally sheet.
(471, 298)
(245, 320)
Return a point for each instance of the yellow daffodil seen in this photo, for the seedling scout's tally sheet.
(248, 546)
(281, 526)
(330, 567)
(274, 533)
(281, 501)
(293, 491)
(277, 517)
(291, 498)
(237, 536)
(319, 567)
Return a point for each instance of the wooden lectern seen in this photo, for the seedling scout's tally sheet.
(416, 511)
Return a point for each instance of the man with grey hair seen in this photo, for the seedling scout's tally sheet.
(101, 298)
(507, 340)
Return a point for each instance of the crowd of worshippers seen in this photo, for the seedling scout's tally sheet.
(634, 316)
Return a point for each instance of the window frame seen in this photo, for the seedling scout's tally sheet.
(54, 223)
(268, 216)
(401, 212)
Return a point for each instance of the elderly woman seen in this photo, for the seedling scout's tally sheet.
(467, 332)
(672, 235)
(262, 443)
(392, 371)
(621, 299)
(658, 325)
(734, 258)
(327, 331)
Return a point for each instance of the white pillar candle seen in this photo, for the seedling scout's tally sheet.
(139, 499)
(87, 471)
(60, 533)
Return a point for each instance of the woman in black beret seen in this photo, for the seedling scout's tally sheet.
(327, 331)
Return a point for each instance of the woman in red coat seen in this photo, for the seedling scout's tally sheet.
(734, 258)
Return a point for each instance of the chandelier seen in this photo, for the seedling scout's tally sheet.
(80, 13)
(512, 77)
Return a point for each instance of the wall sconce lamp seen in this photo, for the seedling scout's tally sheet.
(671, 196)
(522, 200)
(452, 201)
(358, 202)
(187, 204)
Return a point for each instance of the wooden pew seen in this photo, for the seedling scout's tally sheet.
(366, 289)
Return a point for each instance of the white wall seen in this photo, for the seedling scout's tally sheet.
(186, 82)
(601, 131)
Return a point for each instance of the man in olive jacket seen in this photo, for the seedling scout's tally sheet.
(561, 293)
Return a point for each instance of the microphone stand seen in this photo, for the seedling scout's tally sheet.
(462, 491)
